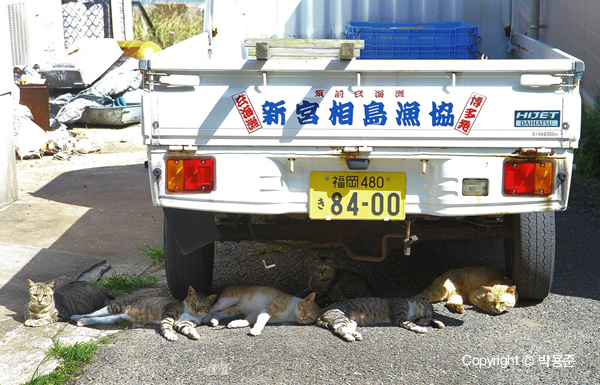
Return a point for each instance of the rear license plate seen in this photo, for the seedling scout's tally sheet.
(357, 195)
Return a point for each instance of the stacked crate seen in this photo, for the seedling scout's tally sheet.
(452, 40)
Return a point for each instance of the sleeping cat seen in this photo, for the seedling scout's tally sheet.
(183, 316)
(333, 285)
(48, 304)
(483, 287)
(261, 305)
(343, 317)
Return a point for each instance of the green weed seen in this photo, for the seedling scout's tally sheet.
(167, 18)
(587, 156)
(152, 253)
(124, 323)
(125, 282)
(72, 359)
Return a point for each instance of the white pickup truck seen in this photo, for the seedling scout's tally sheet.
(309, 144)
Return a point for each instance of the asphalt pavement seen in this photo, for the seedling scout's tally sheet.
(75, 216)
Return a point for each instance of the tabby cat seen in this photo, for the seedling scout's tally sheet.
(343, 317)
(48, 304)
(483, 287)
(261, 305)
(334, 285)
(183, 316)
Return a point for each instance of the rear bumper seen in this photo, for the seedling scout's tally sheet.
(271, 182)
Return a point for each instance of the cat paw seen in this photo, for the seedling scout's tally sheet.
(171, 336)
(437, 324)
(348, 337)
(419, 329)
(30, 323)
(238, 323)
(357, 336)
(214, 322)
(255, 332)
(455, 308)
(83, 322)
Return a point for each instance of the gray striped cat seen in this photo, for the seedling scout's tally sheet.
(343, 317)
(331, 284)
(48, 304)
(183, 316)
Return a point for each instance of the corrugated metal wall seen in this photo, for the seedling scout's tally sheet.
(326, 19)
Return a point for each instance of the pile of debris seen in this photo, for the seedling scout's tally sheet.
(97, 82)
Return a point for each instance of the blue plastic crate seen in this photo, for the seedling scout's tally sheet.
(414, 34)
(417, 53)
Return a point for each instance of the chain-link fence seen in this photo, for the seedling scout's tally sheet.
(86, 19)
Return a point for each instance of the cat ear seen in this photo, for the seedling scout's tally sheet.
(315, 255)
(487, 288)
(511, 289)
(331, 256)
(52, 285)
(30, 283)
(212, 298)
(311, 297)
(191, 290)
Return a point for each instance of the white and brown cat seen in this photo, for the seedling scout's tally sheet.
(483, 287)
(261, 305)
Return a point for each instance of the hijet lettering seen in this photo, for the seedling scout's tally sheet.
(537, 118)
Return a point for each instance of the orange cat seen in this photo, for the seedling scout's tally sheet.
(483, 287)
(261, 305)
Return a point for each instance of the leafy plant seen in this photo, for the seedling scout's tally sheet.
(152, 253)
(72, 359)
(173, 23)
(125, 282)
(587, 156)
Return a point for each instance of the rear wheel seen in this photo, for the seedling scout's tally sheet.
(530, 252)
(184, 270)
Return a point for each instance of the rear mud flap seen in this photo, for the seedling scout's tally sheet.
(192, 229)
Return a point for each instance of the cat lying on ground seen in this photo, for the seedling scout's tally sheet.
(48, 304)
(183, 316)
(261, 305)
(410, 313)
(483, 287)
(331, 284)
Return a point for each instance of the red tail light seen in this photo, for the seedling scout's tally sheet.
(528, 178)
(195, 174)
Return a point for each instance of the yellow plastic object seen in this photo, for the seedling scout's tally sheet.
(174, 175)
(138, 49)
(543, 178)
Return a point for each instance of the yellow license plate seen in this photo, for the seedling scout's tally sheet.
(357, 195)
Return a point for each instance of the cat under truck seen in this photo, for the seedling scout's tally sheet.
(268, 128)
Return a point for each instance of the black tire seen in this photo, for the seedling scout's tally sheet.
(530, 252)
(194, 269)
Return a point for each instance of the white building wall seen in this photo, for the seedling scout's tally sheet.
(8, 171)
(574, 27)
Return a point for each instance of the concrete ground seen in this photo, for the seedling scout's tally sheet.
(71, 217)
